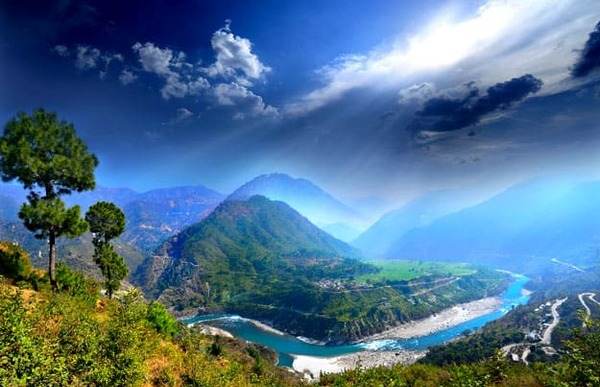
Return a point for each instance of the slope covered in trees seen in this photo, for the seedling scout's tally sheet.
(262, 259)
(77, 337)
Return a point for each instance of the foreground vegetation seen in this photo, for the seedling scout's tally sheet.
(76, 337)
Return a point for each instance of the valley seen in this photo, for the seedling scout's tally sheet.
(256, 269)
(403, 344)
(300, 193)
(297, 278)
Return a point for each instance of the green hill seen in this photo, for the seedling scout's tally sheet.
(261, 259)
(242, 246)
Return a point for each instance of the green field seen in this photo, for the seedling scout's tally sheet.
(407, 270)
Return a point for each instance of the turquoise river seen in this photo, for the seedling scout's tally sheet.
(286, 345)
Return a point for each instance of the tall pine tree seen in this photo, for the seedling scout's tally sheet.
(47, 157)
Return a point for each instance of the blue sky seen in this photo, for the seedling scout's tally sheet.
(367, 98)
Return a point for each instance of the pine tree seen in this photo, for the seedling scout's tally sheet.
(107, 222)
(47, 157)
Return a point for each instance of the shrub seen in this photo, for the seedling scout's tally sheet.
(75, 283)
(25, 358)
(161, 320)
(14, 262)
(215, 349)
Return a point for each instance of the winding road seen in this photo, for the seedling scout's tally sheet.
(568, 265)
(547, 336)
(591, 296)
(582, 301)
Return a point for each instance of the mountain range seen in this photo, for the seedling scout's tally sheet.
(152, 217)
(380, 236)
(522, 227)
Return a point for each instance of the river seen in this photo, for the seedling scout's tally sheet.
(286, 345)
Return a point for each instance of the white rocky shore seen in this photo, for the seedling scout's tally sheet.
(445, 319)
(212, 331)
(312, 366)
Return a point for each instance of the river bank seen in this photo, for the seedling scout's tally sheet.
(444, 319)
(211, 331)
(405, 343)
(312, 366)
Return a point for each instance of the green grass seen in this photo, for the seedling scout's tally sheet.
(407, 270)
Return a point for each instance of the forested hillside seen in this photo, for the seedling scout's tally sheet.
(262, 259)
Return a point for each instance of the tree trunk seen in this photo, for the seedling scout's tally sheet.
(109, 289)
(52, 261)
(51, 243)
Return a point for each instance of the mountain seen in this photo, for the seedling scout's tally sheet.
(119, 196)
(11, 197)
(152, 217)
(302, 195)
(377, 239)
(156, 215)
(16, 195)
(261, 259)
(526, 225)
(238, 244)
(77, 253)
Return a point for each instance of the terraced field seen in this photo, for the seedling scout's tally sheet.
(401, 270)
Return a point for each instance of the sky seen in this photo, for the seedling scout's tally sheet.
(385, 99)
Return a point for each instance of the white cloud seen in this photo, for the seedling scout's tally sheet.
(155, 59)
(179, 87)
(87, 57)
(503, 39)
(127, 76)
(179, 76)
(234, 58)
(183, 114)
(246, 102)
(61, 50)
(416, 93)
(234, 62)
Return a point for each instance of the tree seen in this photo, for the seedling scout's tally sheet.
(111, 265)
(47, 157)
(107, 222)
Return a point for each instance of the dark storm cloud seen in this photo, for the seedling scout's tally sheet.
(445, 114)
(589, 60)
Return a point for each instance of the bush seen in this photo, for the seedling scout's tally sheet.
(75, 283)
(14, 262)
(161, 320)
(215, 349)
(25, 357)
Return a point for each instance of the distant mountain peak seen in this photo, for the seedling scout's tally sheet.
(320, 207)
